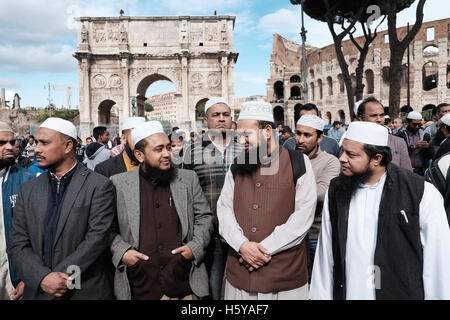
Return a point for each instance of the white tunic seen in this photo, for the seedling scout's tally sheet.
(283, 237)
(361, 244)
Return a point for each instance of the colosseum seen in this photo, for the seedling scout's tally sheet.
(429, 74)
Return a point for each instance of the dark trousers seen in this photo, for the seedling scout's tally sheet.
(215, 260)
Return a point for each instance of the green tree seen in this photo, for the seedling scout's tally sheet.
(148, 107)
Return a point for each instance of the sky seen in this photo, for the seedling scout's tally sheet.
(38, 38)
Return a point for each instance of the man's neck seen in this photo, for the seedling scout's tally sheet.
(313, 152)
(375, 178)
(223, 142)
(65, 167)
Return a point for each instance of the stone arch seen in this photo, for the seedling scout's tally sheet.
(330, 86)
(278, 114)
(369, 81)
(295, 92)
(200, 112)
(278, 90)
(430, 50)
(430, 75)
(328, 115)
(341, 83)
(142, 87)
(297, 112)
(341, 116)
(104, 112)
(294, 79)
(313, 95)
(320, 86)
(311, 73)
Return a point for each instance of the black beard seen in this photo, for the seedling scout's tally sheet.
(349, 184)
(156, 175)
(130, 154)
(6, 162)
(247, 168)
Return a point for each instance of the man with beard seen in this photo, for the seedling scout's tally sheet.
(21, 161)
(265, 211)
(418, 142)
(165, 225)
(12, 176)
(372, 110)
(308, 136)
(384, 230)
(210, 159)
(442, 135)
(62, 223)
(126, 161)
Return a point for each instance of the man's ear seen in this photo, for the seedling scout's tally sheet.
(139, 155)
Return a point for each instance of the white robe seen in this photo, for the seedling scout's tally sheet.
(283, 237)
(361, 244)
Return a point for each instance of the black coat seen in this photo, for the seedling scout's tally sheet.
(112, 166)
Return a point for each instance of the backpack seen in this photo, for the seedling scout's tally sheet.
(297, 162)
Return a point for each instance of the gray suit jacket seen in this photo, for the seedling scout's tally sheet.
(195, 217)
(82, 239)
(399, 150)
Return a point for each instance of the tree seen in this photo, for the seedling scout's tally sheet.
(148, 107)
(398, 47)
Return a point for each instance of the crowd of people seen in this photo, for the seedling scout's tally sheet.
(239, 211)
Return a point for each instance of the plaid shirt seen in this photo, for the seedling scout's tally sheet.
(211, 166)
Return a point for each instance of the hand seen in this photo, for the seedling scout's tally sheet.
(55, 283)
(254, 254)
(422, 145)
(18, 292)
(185, 251)
(131, 257)
(249, 267)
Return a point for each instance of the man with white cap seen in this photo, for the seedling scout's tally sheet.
(418, 142)
(384, 229)
(210, 159)
(268, 255)
(125, 161)
(444, 132)
(372, 110)
(12, 176)
(165, 225)
(62, 223)
(309, 134)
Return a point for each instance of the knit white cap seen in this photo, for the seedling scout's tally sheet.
(446, 119)
(4, 127)
(356, 107)
(215, 100)
(256, 110)
(60, 125)
(367, 133)
(311, 120)
(131, 123)
(414, 115)
(145, 130)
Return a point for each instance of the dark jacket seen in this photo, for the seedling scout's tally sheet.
(112, 166)
(83, 235)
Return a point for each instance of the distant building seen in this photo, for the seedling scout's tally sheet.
(429, 73)
(164, 107)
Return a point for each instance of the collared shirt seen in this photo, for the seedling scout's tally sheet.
(361, 245)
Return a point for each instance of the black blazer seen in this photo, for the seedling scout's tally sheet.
(112, 166)
(83, 235)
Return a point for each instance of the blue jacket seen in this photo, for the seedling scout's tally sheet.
(12, 179)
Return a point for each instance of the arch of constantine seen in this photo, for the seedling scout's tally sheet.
(120, 57)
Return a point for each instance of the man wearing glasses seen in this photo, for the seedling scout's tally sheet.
(418, 142)
(11, 177)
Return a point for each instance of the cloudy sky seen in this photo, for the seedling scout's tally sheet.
(38, 39)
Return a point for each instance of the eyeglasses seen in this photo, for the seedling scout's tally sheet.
(11, 142)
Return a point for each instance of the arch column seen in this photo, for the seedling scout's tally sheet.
(124, 109)
(85, 100)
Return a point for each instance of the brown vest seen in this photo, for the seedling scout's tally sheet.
(262, 202)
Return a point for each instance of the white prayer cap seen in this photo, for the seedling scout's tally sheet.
(215, 100)
(256, 110)
(446, 119)
(414, 115)
(367, 133)
(131, 123)
(61, 125)
(311, 120)
(145, 130)
(4, 127)
(356, 107)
